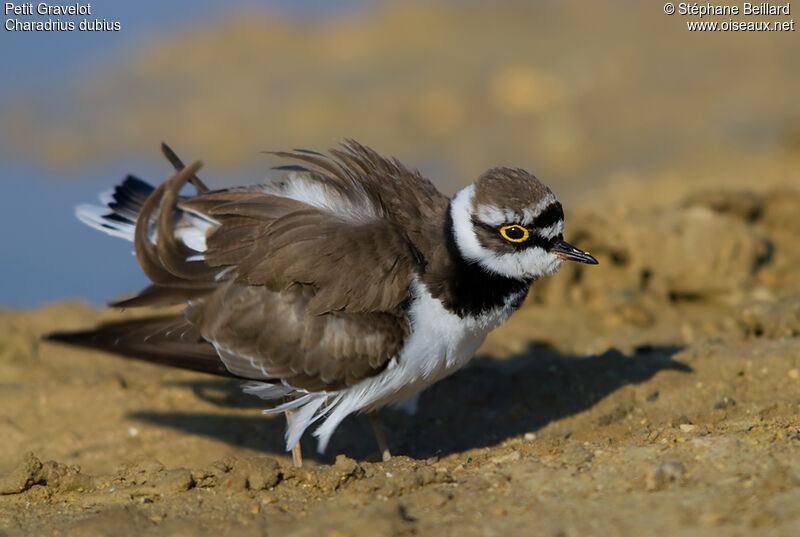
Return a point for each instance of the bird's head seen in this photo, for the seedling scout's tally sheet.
(511, 224)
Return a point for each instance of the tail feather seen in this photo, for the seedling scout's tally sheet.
(161, 295)
(170, 242)
(167, 340)
(129, 197)
(122, 206)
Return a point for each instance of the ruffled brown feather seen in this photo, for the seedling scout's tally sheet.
(311, 295)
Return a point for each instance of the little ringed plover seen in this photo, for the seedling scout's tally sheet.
(347, 284)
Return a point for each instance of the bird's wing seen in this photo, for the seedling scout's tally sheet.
(353, 228)
(268, 241)
(166, 339)
(304, 279)
(267, 335)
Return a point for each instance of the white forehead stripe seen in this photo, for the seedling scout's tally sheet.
(553, 231)
(495, 216)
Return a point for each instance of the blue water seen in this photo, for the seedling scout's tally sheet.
(45, 253)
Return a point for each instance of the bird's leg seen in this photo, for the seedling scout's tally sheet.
(297, 455)
(376, 428)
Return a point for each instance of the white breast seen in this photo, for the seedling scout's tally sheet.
(440, 343)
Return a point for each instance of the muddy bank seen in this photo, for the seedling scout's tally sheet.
(655, 394)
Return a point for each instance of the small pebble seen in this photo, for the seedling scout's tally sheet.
(687, 427)
(725, 402)
(794, 374)
(664, 474)
(499, 511)
(510, 457)
(530, 437)
(677, 420)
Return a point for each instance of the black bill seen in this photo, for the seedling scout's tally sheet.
(565, 250)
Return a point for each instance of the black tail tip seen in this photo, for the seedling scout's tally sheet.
(73, 338)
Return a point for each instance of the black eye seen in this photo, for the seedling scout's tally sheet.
(514, 233)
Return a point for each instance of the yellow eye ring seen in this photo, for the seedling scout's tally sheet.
(512, 233)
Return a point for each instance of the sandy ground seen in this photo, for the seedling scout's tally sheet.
(655, 394)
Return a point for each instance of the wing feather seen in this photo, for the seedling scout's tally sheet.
(303, 280)
(263, 334)
(167, 340)
(276, 242)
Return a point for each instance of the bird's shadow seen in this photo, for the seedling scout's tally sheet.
(485, 403)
